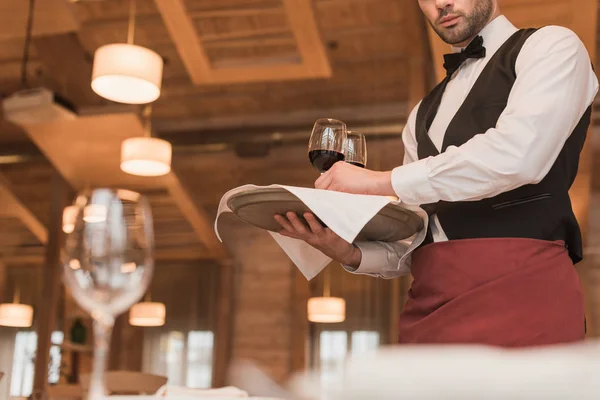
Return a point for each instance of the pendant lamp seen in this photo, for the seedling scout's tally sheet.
(16, 315)
(146, 156)
(147, 313)
(326, 309)
(126, 73)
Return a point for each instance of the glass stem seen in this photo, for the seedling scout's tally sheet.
(103, 326)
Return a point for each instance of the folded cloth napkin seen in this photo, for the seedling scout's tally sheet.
(228, 392)
(345, 214)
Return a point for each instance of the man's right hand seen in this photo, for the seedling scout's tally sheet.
(319, 237)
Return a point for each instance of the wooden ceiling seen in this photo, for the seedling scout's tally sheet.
(240, 77)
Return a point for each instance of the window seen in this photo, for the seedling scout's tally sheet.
(364, 341)
(21, 383)
(199, 359)
(334, 346)
(186, 360)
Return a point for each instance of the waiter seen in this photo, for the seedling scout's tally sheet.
(491, 154)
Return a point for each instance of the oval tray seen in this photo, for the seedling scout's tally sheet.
(258, 207)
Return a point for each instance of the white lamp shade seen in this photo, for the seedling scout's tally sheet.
(145, 156)
(147, 314)
(326, 309)
(94, 213)
(127, 73)
(68, 220)
(16, 315)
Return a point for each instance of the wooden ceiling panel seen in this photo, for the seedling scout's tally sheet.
(243, 55)
(86, 11)
(251, 23)
(356, 14)
(51, 17)
(149, 32)
(190, 44)
(362, 46)
(209, 5)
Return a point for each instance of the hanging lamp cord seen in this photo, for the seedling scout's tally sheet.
(131, 29)
(28, 33)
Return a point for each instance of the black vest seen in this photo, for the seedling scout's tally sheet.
(538, 211)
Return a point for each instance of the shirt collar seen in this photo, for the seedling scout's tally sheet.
(494, 35)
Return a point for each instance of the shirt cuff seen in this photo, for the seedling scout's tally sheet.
(411, 183)
(374, 259)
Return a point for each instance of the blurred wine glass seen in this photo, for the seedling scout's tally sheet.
(356, 149)
(326, 145)
(108, 263)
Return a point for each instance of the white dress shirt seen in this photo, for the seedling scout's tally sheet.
(555, 85)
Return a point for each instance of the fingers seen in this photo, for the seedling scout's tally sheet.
(315, 226)
(323, 181)
(297, 224)
(285, 224)
(292, 224)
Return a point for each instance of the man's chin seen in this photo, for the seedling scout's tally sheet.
(450, 37)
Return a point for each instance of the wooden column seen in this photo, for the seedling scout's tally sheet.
(224, 317)
(3, 286)
(300, 325)
(48, 307)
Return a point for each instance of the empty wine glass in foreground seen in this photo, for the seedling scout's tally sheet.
(109, 262)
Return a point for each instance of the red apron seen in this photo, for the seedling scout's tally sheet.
(502, 292)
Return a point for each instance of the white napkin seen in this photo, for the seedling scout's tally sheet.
(345, 214)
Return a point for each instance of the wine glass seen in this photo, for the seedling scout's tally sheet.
(108, 263)
(356, 149)
(326, 144)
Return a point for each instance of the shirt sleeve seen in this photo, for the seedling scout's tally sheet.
(555, 85)
(380, 259)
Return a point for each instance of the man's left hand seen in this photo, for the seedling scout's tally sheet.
(345, 177)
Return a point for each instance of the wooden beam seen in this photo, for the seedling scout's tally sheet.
(301, 17)
(13, 206)
(187, 41)
(196, 216)
(72, 70)
(47, 310)
(279, 121)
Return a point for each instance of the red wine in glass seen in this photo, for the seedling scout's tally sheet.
(322, 160)
(327, 143)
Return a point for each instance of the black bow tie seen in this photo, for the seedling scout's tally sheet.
(453, 61)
